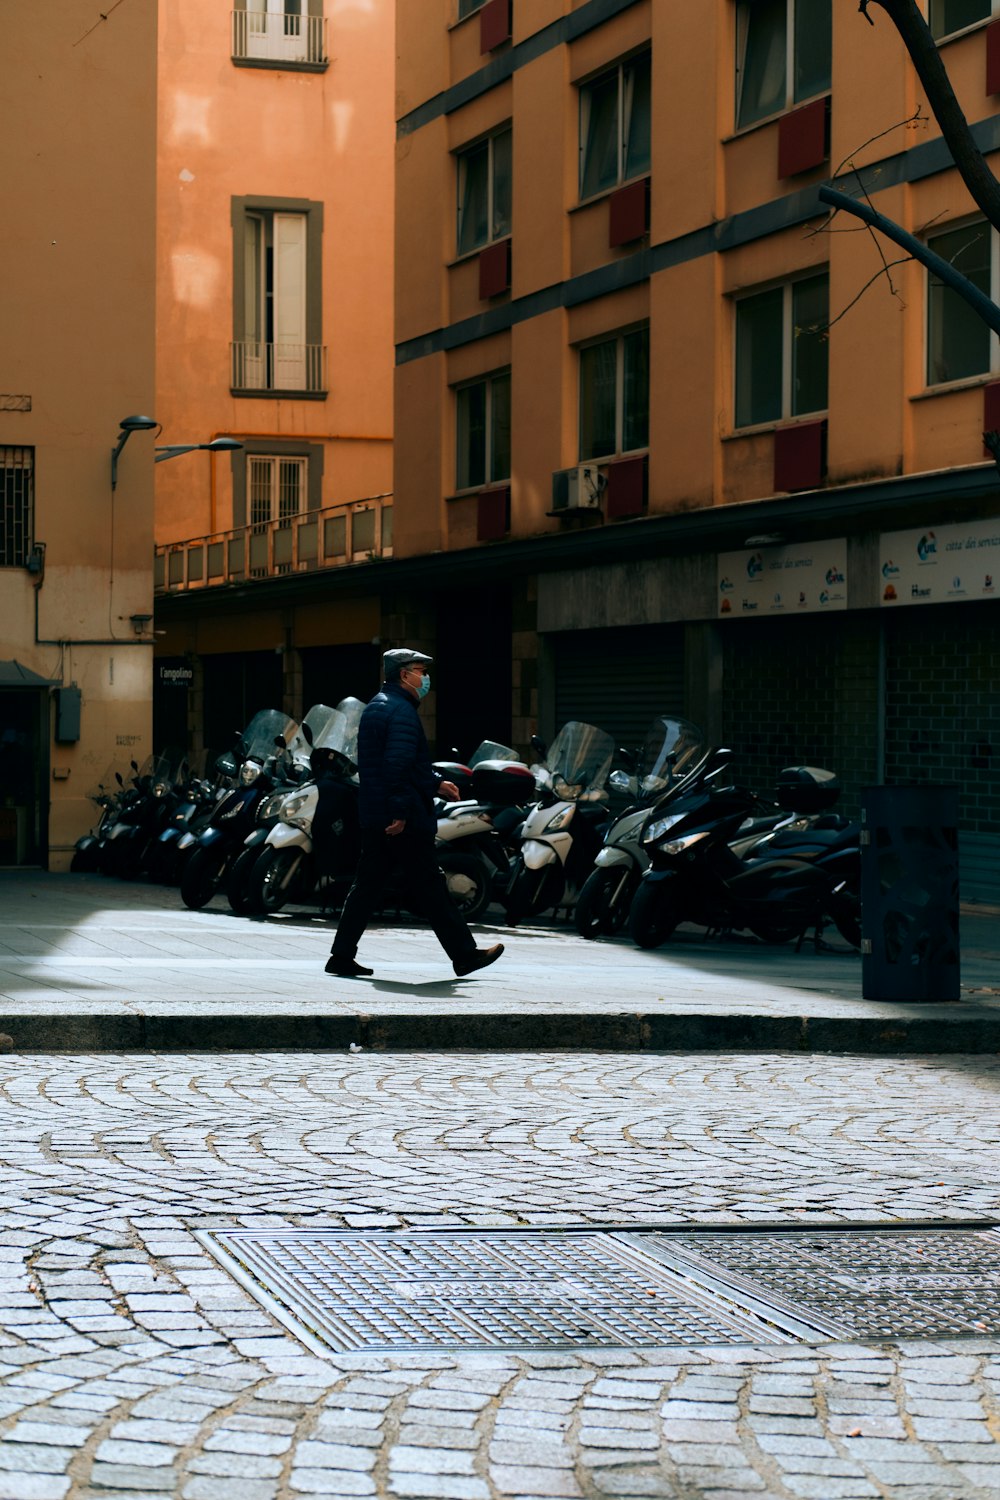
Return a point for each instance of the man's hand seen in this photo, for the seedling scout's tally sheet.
(396, 826)
(449, 791)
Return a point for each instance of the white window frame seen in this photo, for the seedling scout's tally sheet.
(946, 36)
(277, 512)
(461, 165)
(993, 367)
(584, 89)
(503, 373)
(618, 339)
(787, 338)
(791, 102)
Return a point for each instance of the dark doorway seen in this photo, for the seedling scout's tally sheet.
(237, 686)
(24, 767)
(472, 669)
(330, 673)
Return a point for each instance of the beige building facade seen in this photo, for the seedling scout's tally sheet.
(274, 331)
(77, 252)
(641, 390)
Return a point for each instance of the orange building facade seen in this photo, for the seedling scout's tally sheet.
(640, 414)
(274, 330)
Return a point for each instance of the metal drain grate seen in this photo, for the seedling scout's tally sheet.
(583, 1288)
(390, 1292)
(856, 1284)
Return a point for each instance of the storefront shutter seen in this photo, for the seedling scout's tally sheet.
(619, 679)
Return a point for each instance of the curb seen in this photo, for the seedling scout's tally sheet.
(451, 1032)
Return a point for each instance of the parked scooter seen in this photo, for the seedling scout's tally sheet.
(107, 797)
(256, 761)
(563, 831)
(142, 813)
(475, 836)
(780, 887)
(315, 835)
(196, 795)
(671, 748)
(296, 769)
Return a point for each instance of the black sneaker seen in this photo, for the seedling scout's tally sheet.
(346, 968)
(479, 958)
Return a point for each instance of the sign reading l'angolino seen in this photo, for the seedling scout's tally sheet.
(807, 578)
(946, 565)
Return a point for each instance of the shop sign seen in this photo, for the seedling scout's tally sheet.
(946, 565)
(795, 580)
(175, 674)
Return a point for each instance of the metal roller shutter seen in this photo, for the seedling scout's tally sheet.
(619, 679)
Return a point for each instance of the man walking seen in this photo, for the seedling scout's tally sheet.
(398, 826)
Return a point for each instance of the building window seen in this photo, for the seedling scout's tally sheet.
(615, 126)
(17, 470)
(484, 192)
(276, 488)
(948, 16)
(467, 7)
(783, 55)
(277, 308)
(781, 351)
(280, 33)
(614, 395)
(482, 423)
(959, 344)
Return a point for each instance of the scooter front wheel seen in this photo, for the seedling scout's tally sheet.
(274, 880)
(654, 915)
(202, 876)
(603, 903)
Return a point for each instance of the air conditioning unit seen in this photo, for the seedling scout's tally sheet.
(577, 489)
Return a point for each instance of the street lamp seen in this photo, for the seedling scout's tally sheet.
(128, 425)
(217, 445)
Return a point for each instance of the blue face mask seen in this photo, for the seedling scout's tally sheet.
(425, 685)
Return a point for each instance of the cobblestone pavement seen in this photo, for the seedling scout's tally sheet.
(131, 1365)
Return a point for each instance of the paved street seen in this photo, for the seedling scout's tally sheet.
(132, 1364)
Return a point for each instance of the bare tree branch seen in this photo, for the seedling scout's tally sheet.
(886, 268)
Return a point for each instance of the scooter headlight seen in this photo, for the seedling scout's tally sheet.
(560, 820)
(684, 845)
(660, 827)
(292, 806)
(270, 807)
(160, 789)
(249, 771)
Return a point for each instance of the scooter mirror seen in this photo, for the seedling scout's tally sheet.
(280, 742)
(307, 733)
(134, 764)
(118, 778)
(539, 746)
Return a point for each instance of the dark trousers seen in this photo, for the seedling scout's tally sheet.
(404, 864)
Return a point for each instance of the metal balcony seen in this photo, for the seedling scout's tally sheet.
(329, 538)
(278, 367)
(279, 37)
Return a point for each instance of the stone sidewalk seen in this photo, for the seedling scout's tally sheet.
(92, 964)
(132, 1366)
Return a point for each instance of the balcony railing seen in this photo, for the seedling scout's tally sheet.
(313, 539)
(278, 367)
(279, 37)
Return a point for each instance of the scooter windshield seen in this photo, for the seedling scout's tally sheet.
(490, 750)
(316, 723)
(672, 746)
(579, 759)
(351, 710)
(163, 769)
(258, 739)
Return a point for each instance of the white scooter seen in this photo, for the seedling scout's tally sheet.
(563, 831)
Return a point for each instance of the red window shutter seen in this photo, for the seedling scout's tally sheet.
(804, 138)
(493, 513)
(628, 217)
(494, 270)
(991, 408)
(800, 456)
(628, 484)
(993, 58)
(494, 24)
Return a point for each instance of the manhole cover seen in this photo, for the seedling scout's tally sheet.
(541, 1289)
(398, 1291)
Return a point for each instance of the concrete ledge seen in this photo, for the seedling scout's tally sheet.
(456, 1032)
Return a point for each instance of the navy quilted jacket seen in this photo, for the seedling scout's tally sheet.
(394, 763)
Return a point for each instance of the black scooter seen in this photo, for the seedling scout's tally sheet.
(797, 877)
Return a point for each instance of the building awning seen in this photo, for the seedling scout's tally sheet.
(12, 674)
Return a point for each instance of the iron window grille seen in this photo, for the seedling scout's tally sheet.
(17, 505)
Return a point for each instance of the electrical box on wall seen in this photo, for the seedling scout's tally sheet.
(68, 702)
